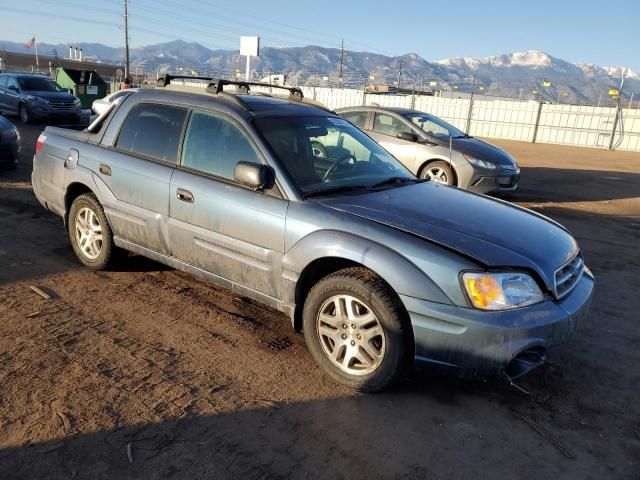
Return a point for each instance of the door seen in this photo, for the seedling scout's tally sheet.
(137, 172)
(385, 130)
(3, 92)
(216, 224)
(11, 97)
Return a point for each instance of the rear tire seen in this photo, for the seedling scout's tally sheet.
(438, 172)
(355, 328)
(90, 233)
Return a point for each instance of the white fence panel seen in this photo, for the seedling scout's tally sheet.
(509, 119)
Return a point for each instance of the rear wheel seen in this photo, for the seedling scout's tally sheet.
(25, 114)
(354, 328)
(438, 172)
(90, 233)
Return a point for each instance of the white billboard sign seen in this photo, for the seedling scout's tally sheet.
(250, 46)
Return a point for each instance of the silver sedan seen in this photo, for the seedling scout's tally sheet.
(432, 148)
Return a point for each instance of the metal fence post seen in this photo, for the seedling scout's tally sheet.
(615, 126)
(535, 127)
(469, 114)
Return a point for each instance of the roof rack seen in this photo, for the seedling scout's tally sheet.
(217, 86)
(165, 80)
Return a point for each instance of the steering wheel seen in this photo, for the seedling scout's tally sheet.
(331, 170)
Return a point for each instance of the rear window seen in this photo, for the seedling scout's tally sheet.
(152, 130)
(357, 118)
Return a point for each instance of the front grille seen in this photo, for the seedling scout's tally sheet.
(62, 105)
(568, 275)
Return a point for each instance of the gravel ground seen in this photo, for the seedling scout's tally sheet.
(145, 372)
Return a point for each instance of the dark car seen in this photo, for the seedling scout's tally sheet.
(432, 148)
(9, 144)
(36, 97)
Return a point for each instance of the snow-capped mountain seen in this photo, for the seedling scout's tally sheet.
(515, 74)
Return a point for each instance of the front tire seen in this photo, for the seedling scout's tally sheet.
(355, 328)
(24, 113)
(438, 172)
(90, 233)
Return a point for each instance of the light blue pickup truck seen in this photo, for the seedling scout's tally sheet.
(381, 270)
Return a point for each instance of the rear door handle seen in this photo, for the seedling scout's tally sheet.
(105, 169)
(184, 195)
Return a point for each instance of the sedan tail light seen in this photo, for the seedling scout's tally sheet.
(40, 143)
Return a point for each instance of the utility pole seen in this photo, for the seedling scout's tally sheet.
(399, 74)
(126, 39)
(618, 113)
(341, 63)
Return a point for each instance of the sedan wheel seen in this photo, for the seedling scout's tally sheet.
(438, 172)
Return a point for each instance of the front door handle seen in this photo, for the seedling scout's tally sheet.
(105, 169)
(184, 195)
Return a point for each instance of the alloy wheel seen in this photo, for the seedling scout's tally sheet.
(438, 175)
(88, 233)
(351, 335)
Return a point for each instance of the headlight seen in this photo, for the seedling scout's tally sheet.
(501, 291)
(76, 101)
(31, 98)
(480, 163)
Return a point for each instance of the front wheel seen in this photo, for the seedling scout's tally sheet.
(355, 329)
(438, 172)
(25, 114)
(90, 233)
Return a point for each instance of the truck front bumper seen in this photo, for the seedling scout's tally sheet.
(482, 344)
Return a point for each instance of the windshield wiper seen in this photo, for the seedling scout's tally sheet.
(397, 181)
(336, 189)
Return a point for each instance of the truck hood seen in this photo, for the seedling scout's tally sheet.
(492, 232)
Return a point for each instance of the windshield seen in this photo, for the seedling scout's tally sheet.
(435, 127)
(327, 154)
(39, 84)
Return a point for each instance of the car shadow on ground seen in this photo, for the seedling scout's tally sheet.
(542, 184)
(424, 430)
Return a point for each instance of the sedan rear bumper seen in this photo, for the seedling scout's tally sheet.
(483, 344)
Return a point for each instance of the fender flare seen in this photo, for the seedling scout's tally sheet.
(403, 276)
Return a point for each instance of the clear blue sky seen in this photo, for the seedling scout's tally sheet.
(604, 33)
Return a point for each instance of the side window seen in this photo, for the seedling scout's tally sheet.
(152, 130)
(12, 82)
(388, 125)
(3, 80)
(434, 129)
(214, 145)
(357, 118)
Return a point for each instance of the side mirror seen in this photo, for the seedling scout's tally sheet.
(254, 175)
(408, 136)
(13, 87)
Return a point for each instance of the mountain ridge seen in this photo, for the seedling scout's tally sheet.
(515, 74)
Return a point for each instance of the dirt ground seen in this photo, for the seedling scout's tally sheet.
(145, 372)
